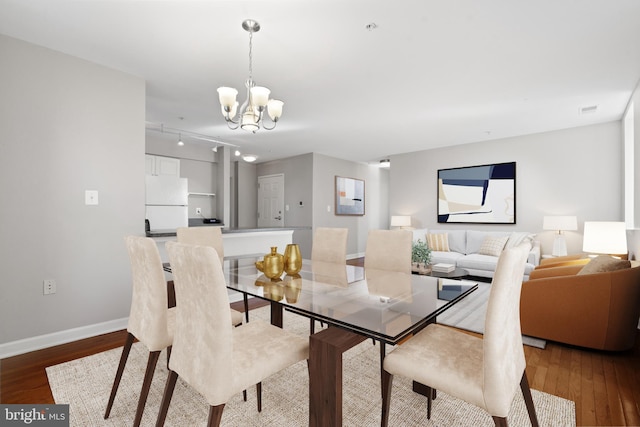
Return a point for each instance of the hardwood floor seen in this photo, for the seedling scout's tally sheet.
(605, 386)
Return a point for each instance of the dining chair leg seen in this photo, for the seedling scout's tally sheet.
(244, 395)
(431, 394)
(246, 307)
(215, 415)
(116, 382)
(146, 385)
(387, 383)
(168, 356)
(500, 421)
(312, 327)
(528, 399)
(166, 398)
(259, 395)
(382, 355)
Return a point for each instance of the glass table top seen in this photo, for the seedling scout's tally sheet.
(379, 304)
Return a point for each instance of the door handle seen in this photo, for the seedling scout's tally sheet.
(278, 217)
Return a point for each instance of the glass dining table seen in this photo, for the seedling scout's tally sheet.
(356, 303)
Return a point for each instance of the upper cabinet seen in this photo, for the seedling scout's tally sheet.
(159, 165)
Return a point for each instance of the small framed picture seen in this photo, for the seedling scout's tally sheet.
(349, 196)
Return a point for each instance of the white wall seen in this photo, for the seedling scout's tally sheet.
(325, 169)
(575, 171)
(68, 125)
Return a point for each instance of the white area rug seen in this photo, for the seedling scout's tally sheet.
(469, 314)
(85, 385)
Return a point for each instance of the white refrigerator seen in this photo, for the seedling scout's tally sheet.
(167, 202)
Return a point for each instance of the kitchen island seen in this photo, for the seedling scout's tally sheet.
(238, 241)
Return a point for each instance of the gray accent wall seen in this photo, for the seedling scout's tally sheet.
(576, 171)
(68, 125)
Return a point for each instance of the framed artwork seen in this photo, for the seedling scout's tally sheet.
(484, 194)
(349, 196)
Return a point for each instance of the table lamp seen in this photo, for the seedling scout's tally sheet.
(400, 221)
(559, 223)
(605, 237)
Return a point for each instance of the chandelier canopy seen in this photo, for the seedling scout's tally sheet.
(251, 116)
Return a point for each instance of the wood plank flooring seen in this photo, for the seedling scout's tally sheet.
(605, 386)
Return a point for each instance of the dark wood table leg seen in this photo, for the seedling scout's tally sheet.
(325, 375)
(276, 314)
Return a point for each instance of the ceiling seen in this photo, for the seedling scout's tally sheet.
(361, 79)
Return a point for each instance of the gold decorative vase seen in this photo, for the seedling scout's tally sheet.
(273, 264)
(292, 259)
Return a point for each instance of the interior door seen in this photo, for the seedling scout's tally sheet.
(271, 201)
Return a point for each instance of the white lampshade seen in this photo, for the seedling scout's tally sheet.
(400, 221)
(605, 237)
(560, 223)
(227, 96)
(274, 109)
(260, 96)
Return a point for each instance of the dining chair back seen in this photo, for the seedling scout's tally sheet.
(203, 236)
(211, 236)
(215, 359)
(150, 320)
(485, 372)
(330, 245)
(389, 250)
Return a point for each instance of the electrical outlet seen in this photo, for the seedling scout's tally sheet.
(48, 286)
(198, 211)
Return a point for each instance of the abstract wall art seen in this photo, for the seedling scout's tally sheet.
(349, 196)
(484, 194)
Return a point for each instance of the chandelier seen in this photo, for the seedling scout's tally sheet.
(252, 110)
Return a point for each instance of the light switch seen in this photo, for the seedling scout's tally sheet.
(328, 208)
(286, 208)
(91, 197)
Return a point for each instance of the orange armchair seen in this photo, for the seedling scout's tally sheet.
(599, 310)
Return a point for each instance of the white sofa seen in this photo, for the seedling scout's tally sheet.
(465, 244)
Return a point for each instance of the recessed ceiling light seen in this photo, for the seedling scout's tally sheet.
(237, 153)
(250, 158)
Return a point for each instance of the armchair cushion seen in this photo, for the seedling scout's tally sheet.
(604, 263)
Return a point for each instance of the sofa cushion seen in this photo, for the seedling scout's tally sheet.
(419, 234)
(493, 245)
(475, 262)
(438, 242)
(478, 262)
(604, 263)
(445, 257)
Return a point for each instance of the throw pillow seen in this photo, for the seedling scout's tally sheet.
(604, 263)
(438, 242)
(493, 245)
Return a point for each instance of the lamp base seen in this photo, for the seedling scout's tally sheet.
(559, 246)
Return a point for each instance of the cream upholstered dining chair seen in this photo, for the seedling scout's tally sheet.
(484, 371)
(211, 236)
(389, 250)
(215, 359)
(329, 245)
(150, 321)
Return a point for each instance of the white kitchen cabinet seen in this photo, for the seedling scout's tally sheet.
(160, 165)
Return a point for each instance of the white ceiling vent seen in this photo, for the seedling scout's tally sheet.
(589, 109)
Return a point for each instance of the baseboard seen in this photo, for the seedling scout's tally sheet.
(27, 345)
